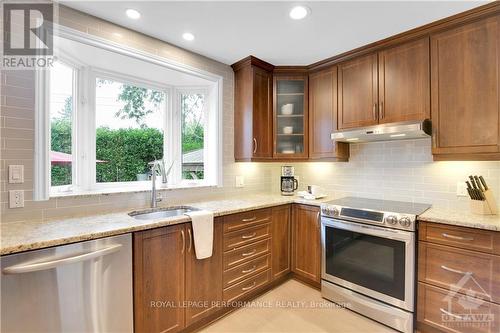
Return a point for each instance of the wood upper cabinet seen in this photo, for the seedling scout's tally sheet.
(404, 82)
(281, 217)
(203, 277)
(465, 74)
(159, 275)
(323, 116)
(357, 92)
(253, 113)
(290, 117)
(306, 243)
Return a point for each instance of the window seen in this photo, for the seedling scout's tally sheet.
(105, 116)
(129, 130)
(193, 119)
(61, 100)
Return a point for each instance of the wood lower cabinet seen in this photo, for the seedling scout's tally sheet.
(306, 243)
(404, 82)
(465, 70)
(458, 279)
(203, 278)
(281, 224)
(323, 117)
(358, 92)
(173, 289)
(159, 279)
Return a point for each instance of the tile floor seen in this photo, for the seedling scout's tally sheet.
(289, 308)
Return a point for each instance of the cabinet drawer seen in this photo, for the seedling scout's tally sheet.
(243, 220)
(466, 238)
(247, 286)
(246, 253)
(245, 236)
(245, 270)
(444, 310)
(446, 266)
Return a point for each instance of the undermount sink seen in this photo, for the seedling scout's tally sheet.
(157, 213)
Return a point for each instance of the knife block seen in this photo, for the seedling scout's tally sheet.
(486, 207)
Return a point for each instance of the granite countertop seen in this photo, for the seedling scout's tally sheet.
(462, 219)
(24, 236)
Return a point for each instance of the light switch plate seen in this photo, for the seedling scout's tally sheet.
(16, 174)
(239, 181)
(16, 198)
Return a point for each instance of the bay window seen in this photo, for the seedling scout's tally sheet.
(107, 126)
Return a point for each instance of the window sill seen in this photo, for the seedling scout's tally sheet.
(108, 189)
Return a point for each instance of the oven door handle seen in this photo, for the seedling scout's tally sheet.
(400, 235)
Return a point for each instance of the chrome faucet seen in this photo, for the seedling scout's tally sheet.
(156, 166)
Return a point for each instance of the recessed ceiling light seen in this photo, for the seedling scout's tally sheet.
(133, 14)
(299, 12)
(188, 36)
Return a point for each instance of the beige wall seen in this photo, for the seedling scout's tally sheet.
(17, 130)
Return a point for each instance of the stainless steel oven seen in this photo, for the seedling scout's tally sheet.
(378, 262)
(368, 259)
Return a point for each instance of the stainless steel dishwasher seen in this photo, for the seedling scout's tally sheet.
(81, 287)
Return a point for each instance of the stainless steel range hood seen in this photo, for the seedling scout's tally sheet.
(385, 132)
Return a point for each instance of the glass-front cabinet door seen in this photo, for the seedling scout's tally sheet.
(290, 117)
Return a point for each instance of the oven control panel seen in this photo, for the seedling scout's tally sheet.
(386, 219)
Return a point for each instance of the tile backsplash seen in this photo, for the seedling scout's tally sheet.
(396, 170)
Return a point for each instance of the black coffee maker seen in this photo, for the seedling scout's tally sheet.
(288, 182)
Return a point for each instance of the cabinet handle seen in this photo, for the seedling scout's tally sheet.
(249, 253)
(319, 220)
(382, 114)
(183, 241)
(254, 145)
(249, 270)
(249, 287)
(374, 111)
(455, 270)
(445, 235)
(450, 314)
(250, 219)
(249, 236)
(190, 240)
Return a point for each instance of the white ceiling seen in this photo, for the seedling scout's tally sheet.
(230, 31)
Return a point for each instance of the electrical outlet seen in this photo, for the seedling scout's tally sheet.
(16, 198)
(239, 181)
(461, 189)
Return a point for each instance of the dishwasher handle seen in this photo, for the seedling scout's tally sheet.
(39, 266)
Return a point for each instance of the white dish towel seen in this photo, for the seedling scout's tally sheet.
(203, 232)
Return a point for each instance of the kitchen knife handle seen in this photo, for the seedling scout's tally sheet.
(483, 182)
(479, 185)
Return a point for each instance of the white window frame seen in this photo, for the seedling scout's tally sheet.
(42, 162)
(83, 133)
(94, 73)
(208, 131)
